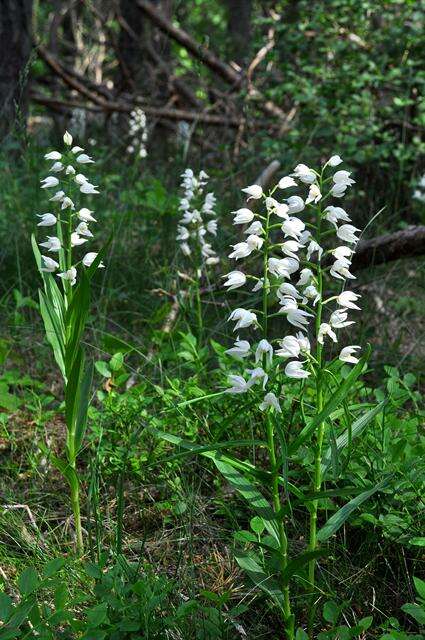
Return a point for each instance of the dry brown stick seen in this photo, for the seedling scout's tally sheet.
(182, 37)
(122, 107)
(407, 243)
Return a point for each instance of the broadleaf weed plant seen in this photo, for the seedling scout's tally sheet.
(300, 266)
(198, 221)
(65, 299)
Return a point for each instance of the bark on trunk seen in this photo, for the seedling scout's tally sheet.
(15, 49)
(239, 29)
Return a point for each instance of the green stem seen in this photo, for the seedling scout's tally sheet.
(283, 540)
(199, 310)
(317, 473)
(75, 503)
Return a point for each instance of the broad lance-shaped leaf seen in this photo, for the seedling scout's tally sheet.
(336, 399)
(297, 563)
(75, 320)
(251, 494)
(259, 577)
(53, 331)
(356, 429)
(337, 520)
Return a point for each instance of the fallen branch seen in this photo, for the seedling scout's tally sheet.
(407, 243)
(182, 37)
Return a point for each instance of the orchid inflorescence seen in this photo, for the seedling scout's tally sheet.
(294, 271)
(72, 225)
(198, 219)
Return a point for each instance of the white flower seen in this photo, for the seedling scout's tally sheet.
(49, 182)
(270, 400)
(343, 177)
(67, 138)
(80, 178)
(311, 293)
(305, 277)
(186, 250)
(258, 285)
(334, 161)
(53, 244)
(70, 275)
(70, 171)
(76, 240)
(47, 219)
(325, 329)
(256, 228)
(83, 230)
(312, 248)
(235, 279)
(346, 354)
(182, 233)
(295, 316)
(56, 167)
(347, 299)
(290, 247)
(289, 347)
(240, 349)
(295, 369)
(59, 195)
(53, 155)
(85, 215)
(67, 203)
(288, 289)
(254, 242)
(335, 214)
(283, 267)
(338, 190)
(295, 204)
(83, 158)
(243, 216)
(243, 318)
(88, 188)
(257, 375)
(254, 191)
(339, 270)
(314, 194)
(273, 206)
(212, 227)
(339, 320)
(343, 253)
(293, 227)
(207, 251)
(240, 250)
(77, 149)
(264, 348)
(89, 258)
(239, 384)
(286, 182)
(304, 342)
(49, 265)
(347, 233)
(212, 260)
(303, 173)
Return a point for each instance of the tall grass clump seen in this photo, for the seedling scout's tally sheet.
(65, 297)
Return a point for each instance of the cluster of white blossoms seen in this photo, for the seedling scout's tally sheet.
(198, 219)
(419, 192)
(138, 131)
(289, 236)
(71, 225)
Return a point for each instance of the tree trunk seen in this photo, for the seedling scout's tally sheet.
(15, 49)
(130, 46)
(239, 29)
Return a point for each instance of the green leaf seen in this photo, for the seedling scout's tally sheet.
(420, 587)
(336, 399)
(337, 520)
(415, 610)
(116, 362)
(5, 606)
(53, 567)
(28, 581)
(75, 321)
(417, 542)
(97, 615)
(356, 429)
(264, 582)
(294, 565)
(102, 368)
(257, 525)
(331, 612)
(83, 401)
